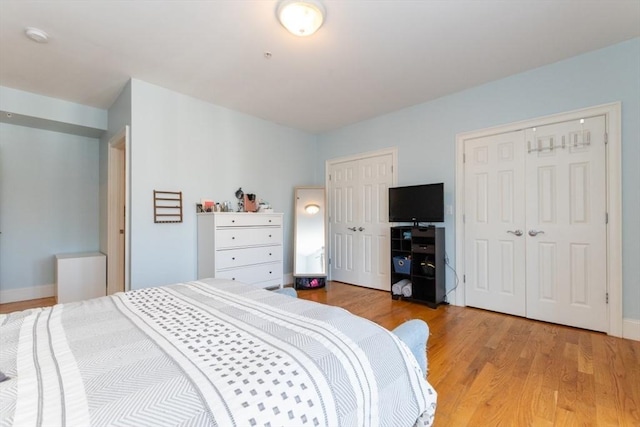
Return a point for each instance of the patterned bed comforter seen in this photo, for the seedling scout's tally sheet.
(209, 353)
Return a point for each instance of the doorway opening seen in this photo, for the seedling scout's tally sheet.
(118, 213)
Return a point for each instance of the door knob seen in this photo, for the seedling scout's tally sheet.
(517, 232)
(351, 228)
(360, 228)
(534, 233)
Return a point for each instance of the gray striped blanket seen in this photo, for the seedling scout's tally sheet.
(209, 353)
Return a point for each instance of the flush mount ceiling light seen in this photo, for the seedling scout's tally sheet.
(301, 17)
(36, 34)
(312, 209)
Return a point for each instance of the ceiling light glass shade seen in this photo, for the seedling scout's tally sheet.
(312, 209)
(36, 34)
(301, 18)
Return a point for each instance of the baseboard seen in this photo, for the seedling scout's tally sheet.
(631, 329)
(25, 294)
(288, 279)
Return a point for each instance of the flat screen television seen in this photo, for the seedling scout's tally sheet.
(417, 203)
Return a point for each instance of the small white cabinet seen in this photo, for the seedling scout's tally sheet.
(241, 246)
(80, 276)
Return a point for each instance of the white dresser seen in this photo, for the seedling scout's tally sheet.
(241, 246)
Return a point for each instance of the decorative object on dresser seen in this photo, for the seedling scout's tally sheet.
(417, 264)
(241, 246)
(240, 197)
(250, 203)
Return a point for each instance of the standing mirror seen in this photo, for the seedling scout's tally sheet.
(309, 263)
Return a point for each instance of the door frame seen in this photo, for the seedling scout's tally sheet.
(612, 113)
(327, 182)
(116, 167)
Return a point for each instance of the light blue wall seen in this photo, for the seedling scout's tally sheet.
(45, 107)
(179, 143)
(48, 202)
(425, 134)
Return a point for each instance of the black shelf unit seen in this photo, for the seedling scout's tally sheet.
(424, 246)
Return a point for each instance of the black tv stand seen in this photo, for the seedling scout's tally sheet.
(424, 247)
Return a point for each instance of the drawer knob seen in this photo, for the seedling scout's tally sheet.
(233, 258)
(269, 253)
(269, 235)
(270, 272)
(269, 220)
(233, 238)
(233, 220)
(233, 278)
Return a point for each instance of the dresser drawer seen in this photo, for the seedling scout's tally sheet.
(236, 237)
(253, 274)
(248, 220)
(230, 258)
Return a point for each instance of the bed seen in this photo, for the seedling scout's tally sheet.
(206, 353)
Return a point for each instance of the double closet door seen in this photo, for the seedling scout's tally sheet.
(358, 220)
(535, 223)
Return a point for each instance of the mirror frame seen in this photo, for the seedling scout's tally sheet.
(323, 212)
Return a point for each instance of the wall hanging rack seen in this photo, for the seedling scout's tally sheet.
(167, 206)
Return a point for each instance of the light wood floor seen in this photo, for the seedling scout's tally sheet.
(491, 369)
(24, 305)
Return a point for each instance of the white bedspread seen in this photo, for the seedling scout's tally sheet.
(210, 353)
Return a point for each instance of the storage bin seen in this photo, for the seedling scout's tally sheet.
(402, 264)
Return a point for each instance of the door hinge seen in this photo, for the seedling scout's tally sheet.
(464, 218)
(329, 177)
(606, 218)
(464, 158)
(464, 278)
(607, 298)
(606, 138)
(391, 168)
(329, 261)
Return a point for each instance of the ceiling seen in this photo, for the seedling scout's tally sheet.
(370, 57)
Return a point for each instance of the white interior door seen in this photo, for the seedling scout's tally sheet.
(117, 221)
(375, 178)
(342, 190)
(535, 228)
(495, 222)
(359, 227)
(566, 223)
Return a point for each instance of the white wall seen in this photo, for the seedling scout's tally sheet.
(179, 143)
(425, 134)
(48, 205)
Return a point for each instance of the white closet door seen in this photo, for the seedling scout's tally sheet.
(375, 178)
(342, 193)
(494, 223)
(358, 192)
(566, 227)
